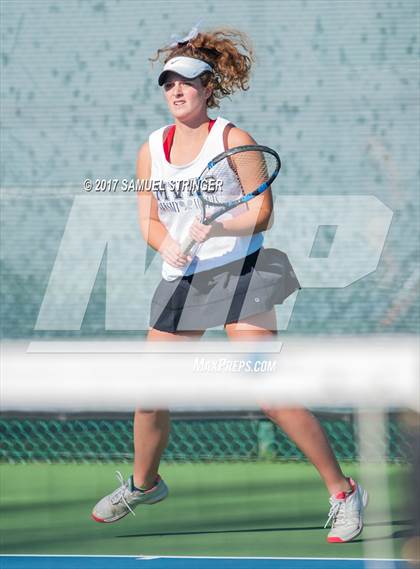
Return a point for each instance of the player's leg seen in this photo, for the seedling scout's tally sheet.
(306, 432)
(260, 327)
(347, 498)
(299, 424)
(151, 433)
(151, 427)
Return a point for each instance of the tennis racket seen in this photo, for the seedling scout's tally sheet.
(252, 167)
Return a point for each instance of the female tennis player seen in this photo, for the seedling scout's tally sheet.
(227, 278)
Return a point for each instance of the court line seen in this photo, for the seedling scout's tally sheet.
(26, 561)
(200, 557)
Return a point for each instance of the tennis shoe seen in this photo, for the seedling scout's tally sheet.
(125, 498)
(346, 514)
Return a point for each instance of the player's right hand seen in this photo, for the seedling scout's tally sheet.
(171, 253)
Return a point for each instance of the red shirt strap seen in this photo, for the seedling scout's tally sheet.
(167, 143)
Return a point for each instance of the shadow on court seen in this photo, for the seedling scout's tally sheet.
(399, 534)
(395, 535)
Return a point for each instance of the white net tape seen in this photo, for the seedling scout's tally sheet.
(374, 372)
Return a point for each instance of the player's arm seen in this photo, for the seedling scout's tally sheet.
(259, 215)
(154, 232)
(152, 229)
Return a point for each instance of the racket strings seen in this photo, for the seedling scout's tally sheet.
(244, 171)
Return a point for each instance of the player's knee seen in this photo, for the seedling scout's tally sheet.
(268, 411)
(278, 413)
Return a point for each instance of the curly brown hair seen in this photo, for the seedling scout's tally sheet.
(228, 51)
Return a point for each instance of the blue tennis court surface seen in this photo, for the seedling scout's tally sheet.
(126, 562)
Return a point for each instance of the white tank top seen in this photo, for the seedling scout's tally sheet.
(177, 209)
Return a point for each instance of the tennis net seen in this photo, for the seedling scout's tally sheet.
(73, 402)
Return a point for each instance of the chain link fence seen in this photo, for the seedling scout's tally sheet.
(194, 437)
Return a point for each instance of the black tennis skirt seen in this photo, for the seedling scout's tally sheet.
(226, 294)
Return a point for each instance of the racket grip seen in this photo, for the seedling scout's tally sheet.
(187, 244)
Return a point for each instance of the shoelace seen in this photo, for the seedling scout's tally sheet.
(340, 513)
(119, 493)
(334, 512)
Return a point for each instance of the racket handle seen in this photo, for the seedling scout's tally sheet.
(187, 244)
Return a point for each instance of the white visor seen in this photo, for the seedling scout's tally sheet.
(186, 66)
